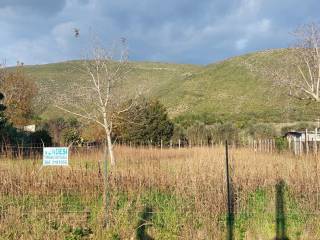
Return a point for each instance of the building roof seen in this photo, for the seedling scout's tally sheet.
(294, 133)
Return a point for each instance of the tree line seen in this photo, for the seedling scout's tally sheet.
(146, 122)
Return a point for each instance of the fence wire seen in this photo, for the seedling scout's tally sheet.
(144, 182)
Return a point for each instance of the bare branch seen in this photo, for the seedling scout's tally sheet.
(296, 69)
(102, 93)
(80, 115)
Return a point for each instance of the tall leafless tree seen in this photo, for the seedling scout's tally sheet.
(304, 77)
(297, 69)
(101, 96)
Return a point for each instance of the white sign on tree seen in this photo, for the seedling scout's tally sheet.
(55, 156)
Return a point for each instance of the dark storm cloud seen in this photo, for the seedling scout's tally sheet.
(185, 31)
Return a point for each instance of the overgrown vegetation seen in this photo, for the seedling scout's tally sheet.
(161, 194)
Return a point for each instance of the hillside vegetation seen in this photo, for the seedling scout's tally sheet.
(223, 91)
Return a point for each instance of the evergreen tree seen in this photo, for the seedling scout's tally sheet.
(146, 123)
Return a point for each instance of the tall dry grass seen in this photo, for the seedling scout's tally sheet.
(195, 176)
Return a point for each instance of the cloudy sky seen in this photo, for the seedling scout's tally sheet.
(182, 31)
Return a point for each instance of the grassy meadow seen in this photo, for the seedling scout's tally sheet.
(161, 194)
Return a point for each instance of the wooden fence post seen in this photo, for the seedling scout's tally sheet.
(255, 145)
(300, 145)
(306, 141)
(260, 146)
(315, 146)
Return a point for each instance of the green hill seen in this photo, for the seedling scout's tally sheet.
(222, 91)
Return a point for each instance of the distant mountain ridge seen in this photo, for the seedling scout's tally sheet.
(224, 91)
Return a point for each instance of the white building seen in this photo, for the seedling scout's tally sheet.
(29, 128)
(303, 141)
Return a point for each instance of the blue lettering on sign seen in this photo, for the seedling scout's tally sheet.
(55, 156)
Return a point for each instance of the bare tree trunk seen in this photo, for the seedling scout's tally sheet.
(105, 182)
(110, 148)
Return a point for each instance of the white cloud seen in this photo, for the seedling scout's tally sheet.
(265, 25)
(241, 44)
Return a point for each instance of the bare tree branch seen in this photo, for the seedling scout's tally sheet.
(297, 70)
(101, 95)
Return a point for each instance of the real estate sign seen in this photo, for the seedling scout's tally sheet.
(55, 156)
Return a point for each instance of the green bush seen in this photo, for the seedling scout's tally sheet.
(226, 131)
(281, 143)
(72, 136)
(198, 133)
(40, 137)
(261, 131)
(179, 133)
(145, 123)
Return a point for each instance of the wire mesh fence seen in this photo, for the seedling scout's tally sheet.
(35, 151)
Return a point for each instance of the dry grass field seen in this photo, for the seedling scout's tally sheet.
(161, 194)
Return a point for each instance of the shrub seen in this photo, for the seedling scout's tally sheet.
(281, 143)
(261, 131)
(41, 137)
(199, 133)
(146, 123)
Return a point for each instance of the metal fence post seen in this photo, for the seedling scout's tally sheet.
(230, 217)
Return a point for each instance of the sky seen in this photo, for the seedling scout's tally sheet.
(180, 31)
